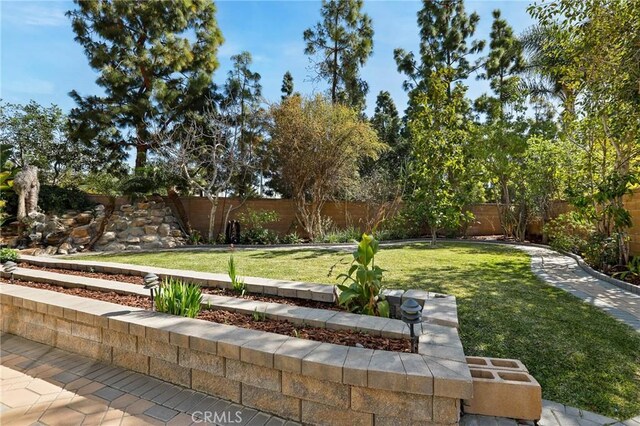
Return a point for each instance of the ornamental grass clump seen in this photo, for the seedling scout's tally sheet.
(237, 284)
(179, 298)
(362, 295)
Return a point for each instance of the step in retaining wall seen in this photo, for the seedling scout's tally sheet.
(302, 380)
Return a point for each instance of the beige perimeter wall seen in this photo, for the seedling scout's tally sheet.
(360, 215)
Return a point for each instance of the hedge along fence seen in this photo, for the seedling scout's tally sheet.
(358, 214)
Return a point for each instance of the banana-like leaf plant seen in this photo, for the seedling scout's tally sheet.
(361, 286)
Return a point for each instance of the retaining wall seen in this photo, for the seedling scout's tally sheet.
(302, 380)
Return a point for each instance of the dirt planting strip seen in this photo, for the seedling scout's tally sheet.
(133, 279)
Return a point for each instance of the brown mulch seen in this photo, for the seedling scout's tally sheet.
(124, 278)
(131, 279)
(630, 278)
(340, 337)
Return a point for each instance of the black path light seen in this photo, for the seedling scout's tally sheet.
(412, 315)
(9, 267)
(151, 282)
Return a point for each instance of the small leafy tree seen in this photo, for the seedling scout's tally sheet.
(37, 135)
(315, 149)
(363, 294)
(438, 133)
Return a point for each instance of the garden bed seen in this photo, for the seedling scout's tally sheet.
(136, 279)
(340, 337)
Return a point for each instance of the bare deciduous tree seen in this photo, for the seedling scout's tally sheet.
(206, 152)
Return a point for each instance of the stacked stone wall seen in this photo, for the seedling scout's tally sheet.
(144, 225)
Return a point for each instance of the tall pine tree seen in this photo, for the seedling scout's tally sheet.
(503, 134)
(242, 104)
(287, 85)
(342, 41)
(387, 123)
(445, 28)
(502, 66)
(439, 120)
(155, 62)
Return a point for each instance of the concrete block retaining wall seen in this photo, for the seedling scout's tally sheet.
(302, 380)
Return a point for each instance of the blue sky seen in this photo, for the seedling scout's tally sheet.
(41, 61)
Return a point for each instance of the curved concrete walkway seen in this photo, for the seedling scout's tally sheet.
(564, 272)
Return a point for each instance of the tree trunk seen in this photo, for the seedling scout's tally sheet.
(108, 211)
(141, 156)
(434, 236)
(212, 218)
(174, 197)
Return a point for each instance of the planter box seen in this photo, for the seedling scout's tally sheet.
(302, 380)
(513, 394)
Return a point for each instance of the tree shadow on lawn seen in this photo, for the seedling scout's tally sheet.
(465, 247)
(310, 253)
(580, 355)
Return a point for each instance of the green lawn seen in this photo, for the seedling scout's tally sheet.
(580, 356)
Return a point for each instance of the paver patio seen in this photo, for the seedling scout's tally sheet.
(48, 386)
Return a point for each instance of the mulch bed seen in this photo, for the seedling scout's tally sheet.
(630, 278)
(132, 279)
(340, 337)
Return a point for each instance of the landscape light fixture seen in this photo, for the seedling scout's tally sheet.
(412, 315)
(9, 267)
(151, 282)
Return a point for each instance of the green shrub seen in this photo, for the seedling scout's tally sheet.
(53, 199)
(7, 254)
(292, 238)
(568, 232)
(252, 227)
(601, 251)
(397, 227)
(346, 235)
(633, 269)
(237, 284)
(363, 294)
(178, 298)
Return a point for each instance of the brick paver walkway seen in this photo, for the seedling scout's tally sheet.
(564, 272)
(41, 385)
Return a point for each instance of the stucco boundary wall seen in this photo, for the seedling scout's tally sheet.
(298, 379)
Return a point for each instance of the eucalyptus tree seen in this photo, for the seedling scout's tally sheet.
(154, 61)
(340, 45)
